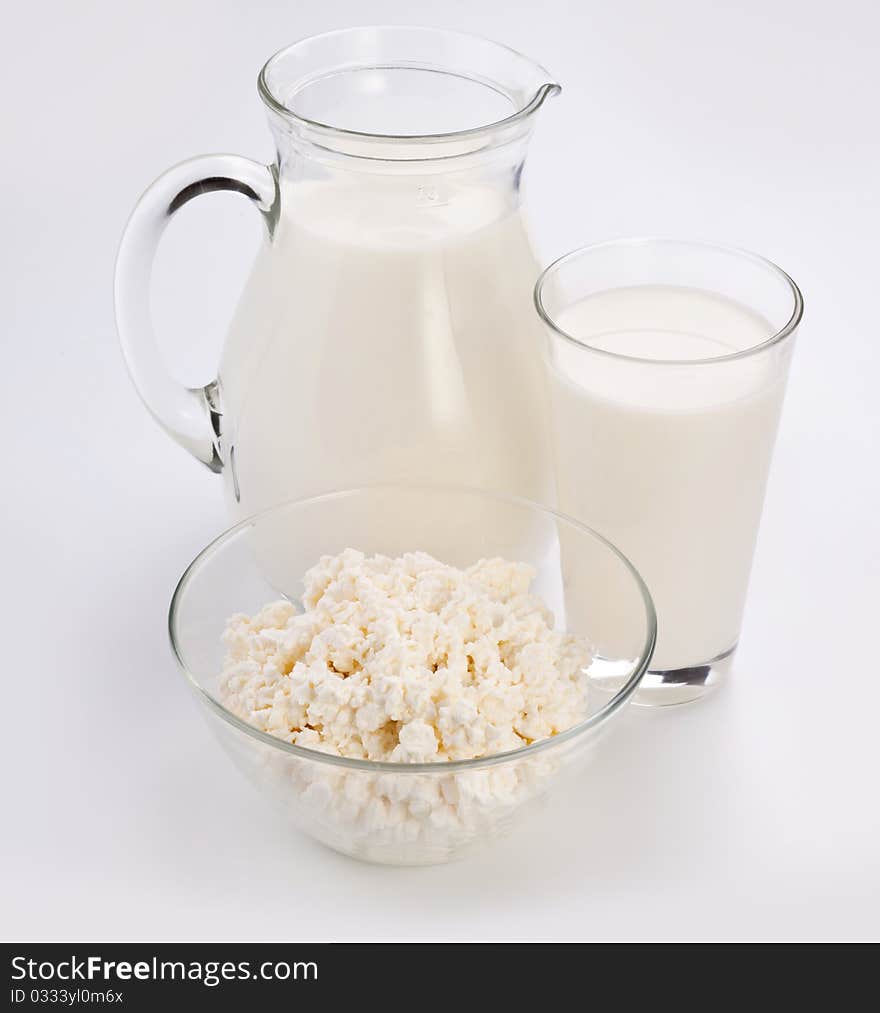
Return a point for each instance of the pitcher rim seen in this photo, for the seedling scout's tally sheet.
(547, 89)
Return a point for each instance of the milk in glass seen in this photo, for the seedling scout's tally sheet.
(669, 459)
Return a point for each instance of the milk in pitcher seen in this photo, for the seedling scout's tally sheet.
(387, 335)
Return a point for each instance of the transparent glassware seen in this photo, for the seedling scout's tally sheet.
(425, 813)
(395, 274)
(667, 367)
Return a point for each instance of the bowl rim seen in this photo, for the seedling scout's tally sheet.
(611, 706)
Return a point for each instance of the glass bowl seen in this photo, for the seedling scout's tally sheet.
(419, 813)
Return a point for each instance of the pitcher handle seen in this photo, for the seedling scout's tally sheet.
(189, 415)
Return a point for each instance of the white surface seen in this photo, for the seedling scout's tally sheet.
(751, 815)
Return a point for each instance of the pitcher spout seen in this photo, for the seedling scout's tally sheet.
(550, 89)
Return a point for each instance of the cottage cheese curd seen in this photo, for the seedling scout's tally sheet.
(407, 660)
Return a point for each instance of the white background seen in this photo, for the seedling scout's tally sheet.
(755, 814)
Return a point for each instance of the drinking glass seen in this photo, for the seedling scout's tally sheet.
(667, 367)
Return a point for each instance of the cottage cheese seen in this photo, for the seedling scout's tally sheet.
(407, 660)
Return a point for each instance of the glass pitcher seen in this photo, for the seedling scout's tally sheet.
(386, 332)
